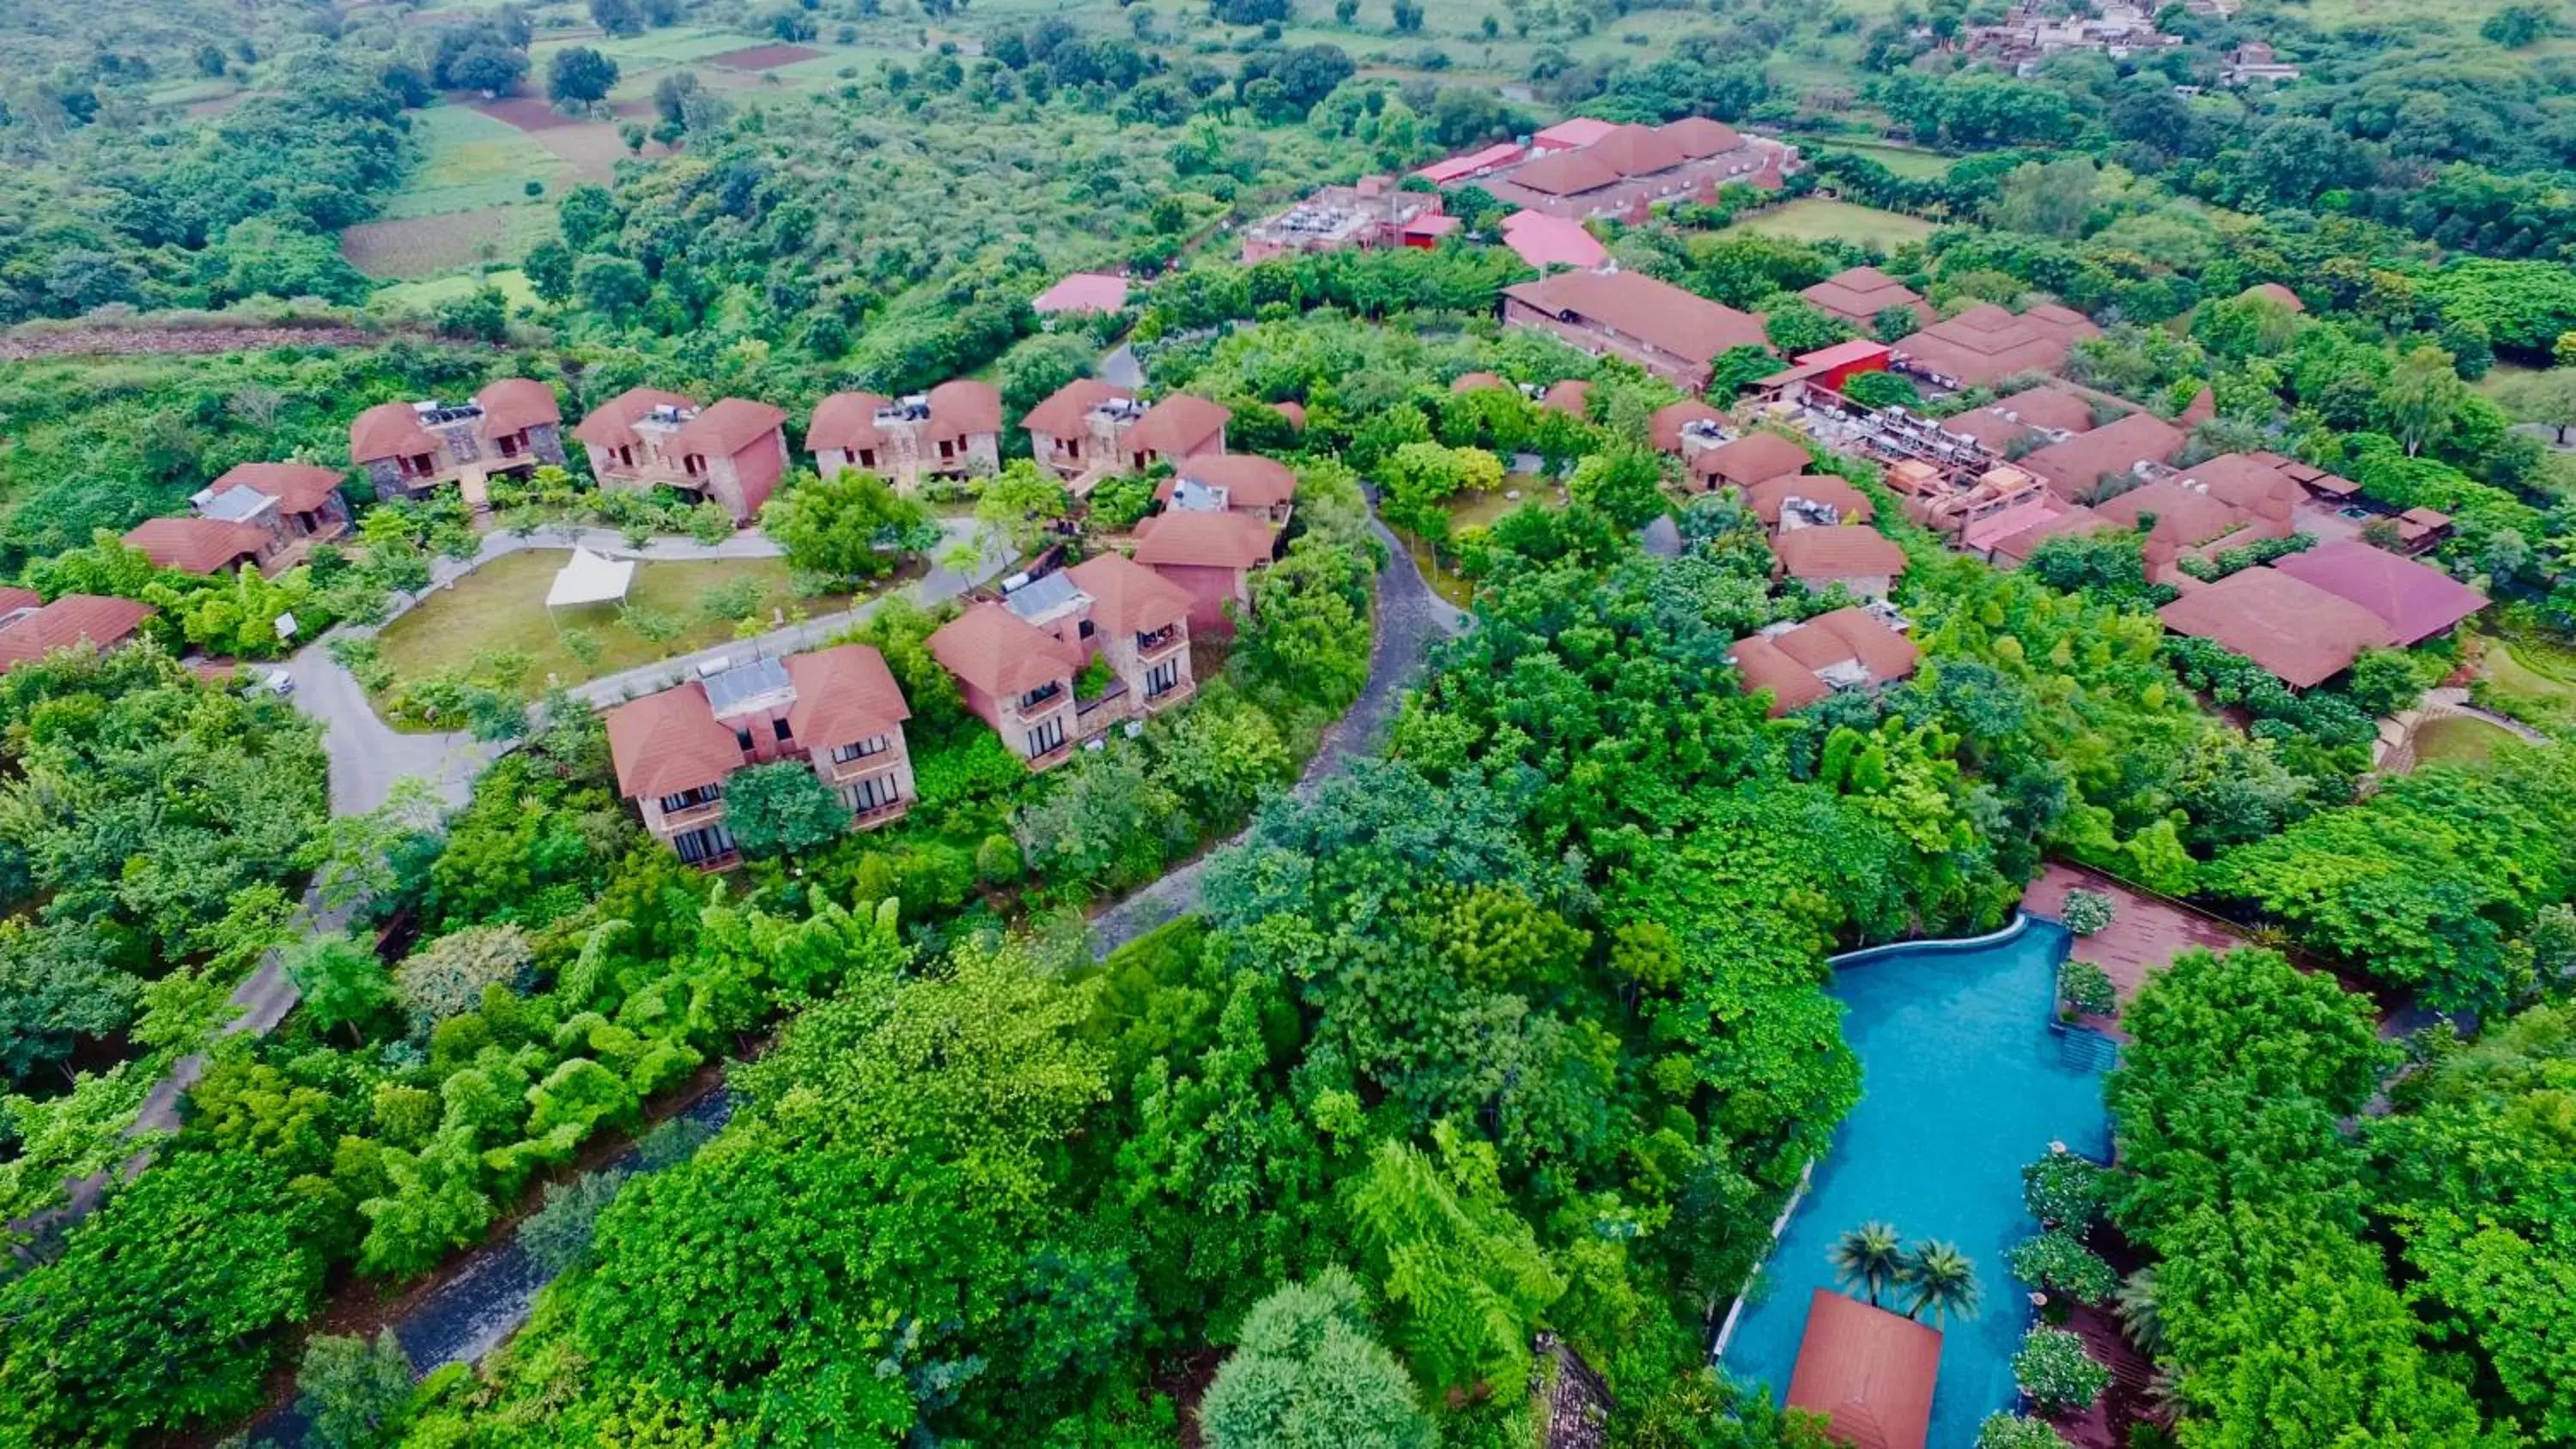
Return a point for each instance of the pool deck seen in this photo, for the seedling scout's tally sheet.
(2145, 933)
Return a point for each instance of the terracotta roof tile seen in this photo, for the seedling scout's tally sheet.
(196, 545)
(1665, 427)
(1761, 664)
(1768, 497)
(388, 430)
(1566, 173)
(2076, 465)
(1082, 292)
(963, 407)
(1868, 1371)
(2049, 407)
(514, 404)
(1249, 480)
(668, 742)
(2240, 479)
(93, 619)
(612, 423)
(1471, 381)
(1179, 426)
(2298, 631)
(1986, 344)
(13, 600)
(727, 426)
(846, 421)
(1571, 397)
(1127, 597)
(1684, 324)
(843, 695)
(1210, 540)
(1848, 550)
(1544, 241)
(2416, 601)
(1062, 412)
(1000, 653)
(1637, 150)
(297, 487)
(1850, 633)
(1698, 136)
(1751, 459)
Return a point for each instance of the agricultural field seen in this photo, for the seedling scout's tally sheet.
(1809, 219)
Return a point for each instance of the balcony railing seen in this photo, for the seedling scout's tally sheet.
(705, 812)
(876, 815)
(1162, 641)
(842, 772)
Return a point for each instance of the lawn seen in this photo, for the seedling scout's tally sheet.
(2530, 681)
(469, 161)
(2457, 740)
(1909, 161)
(501, 606)
(1810, 219)
(512, 282)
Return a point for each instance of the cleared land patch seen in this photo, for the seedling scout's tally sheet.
(764, 57)
(424, 246)
(1810, 219)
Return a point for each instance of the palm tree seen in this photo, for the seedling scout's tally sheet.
(2140, 1319)
(1943, 1280)
(1870, 1257)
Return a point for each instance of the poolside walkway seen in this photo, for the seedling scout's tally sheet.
(2145, 931)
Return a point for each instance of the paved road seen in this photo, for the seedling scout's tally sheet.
(1410, 619)
(1119, 368)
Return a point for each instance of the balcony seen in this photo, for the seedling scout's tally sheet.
(837, 773)
(1154, 646)
(704, 813)
(875, 816)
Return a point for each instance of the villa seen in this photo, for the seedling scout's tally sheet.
(1671, 333)
(31, 629)
(291, 500)
(1210, 555)
(1986, 344)
(1753, 458)
(838, 710)
(410, 449)
(2301, 633)
(1846, 649)
(207, 546)
(731, 453)
(1854, 555)
(1087, 429)
(1017, 661)
(952, 431)
(1857, 295)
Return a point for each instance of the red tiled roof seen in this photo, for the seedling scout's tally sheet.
(14, 599)
(196, 545)
(1294, 412)
(2012, 539)
(1767, 497)
(1688, 326)
(1127, 597)
(1469, 382)
(1698, 136)
(1571, 397)
(1637, 150)
(297, 487)
(963, 407)
(1566, 173)
(1846, 550)
(1179, 426)
(1000, 653)
(846, 421)
(612, 423)
(1544, 241)
(2275, 292)
(2241, 479)
(1440, 173)
(1061, 413)
(843, 695)
(1211, 540)
(1578, 132)
(93, 619)
(1991, 429)
(2049, 407)
(388, 430)
(1751, 459)
(1761, 664)
(2416, 601)
(1868, 1371)
(1432, 225)
(1850, 633)
(668, 742)
(727, 426)
(1986, 343)
(1249, 480)
(514, 404)
(1083, 292)
(2298, 631)
(1665, 427)
(2078, 463)
(1859, 294)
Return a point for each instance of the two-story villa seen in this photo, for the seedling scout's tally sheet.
(409, 449)
(1017, 661)
(731, 453)
(1087, 430)
(839, 710)
(953, 431)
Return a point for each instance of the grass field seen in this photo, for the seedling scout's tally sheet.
(2457, 740)
(426, 246)
(501, 606)
(1909, 161)
(1810, 219)
(470, 161)
(2529, 681)
(429, 293)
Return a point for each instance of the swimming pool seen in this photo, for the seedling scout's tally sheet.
(1962, 1082)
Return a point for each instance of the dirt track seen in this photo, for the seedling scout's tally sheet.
(25, 346)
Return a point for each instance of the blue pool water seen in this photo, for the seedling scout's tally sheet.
(1962, 1082)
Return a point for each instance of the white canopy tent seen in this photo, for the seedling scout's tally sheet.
(591, 579)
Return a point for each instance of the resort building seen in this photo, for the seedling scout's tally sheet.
(731, 453)
(1210, 555)
(291, 500)
(1753, 458)
(1801, 501)
(2415, 601)
(31, 629)
(1687, 429)
(2091, 465)
(1546, 241)
(1846, 649)
(1869, 1372)
(952, 431)
(2032, 418)
(208, 546)
(1661, 328)
(2301, 633)
(1857, 295)
(1585, 167)
(1082, 292)
(1017, 661)
(1373, 213)
(409, 449)
(1854, 555)
(1243, 483)
(1986, 344)
(838, 710)
(1816, 378)
(1086, 430)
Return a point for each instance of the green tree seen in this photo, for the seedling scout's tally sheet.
(2053, 1368)
(1626, 483)
(1306, 1374)
(1871, 1258)
(1939, 1277)
(849, 527)
(355, 1394)
(1465, 1276)
(1020, 506)
(782, 808)
(342, 982)
(610, 286)
(580, 75)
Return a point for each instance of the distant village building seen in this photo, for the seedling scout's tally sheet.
(952, 431)
(2254, 61)
(2031, 34)
(410, 449)
(1585, 167)
(1373, 213)
(838, 710)
(731, 453)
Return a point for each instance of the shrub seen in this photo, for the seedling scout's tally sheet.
(2085, 912)
(2056, 1372)
(558, 1233)
(447, 976)
(2056, 1262)
(2011, 1431)
(2063, 1190)
(2086, 989)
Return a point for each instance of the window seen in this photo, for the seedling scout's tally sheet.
(693, 464)
(946, 450)
(626, 455)
(1047, 738)
(873, 793)
(780, 725)
(1041, 694)
(861, 749)
(1162, 679)
(509, 445)
(691, 799)
(700, 846)
(1086, 630)
(742, 737)
(868, 458)
(1148, 643)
